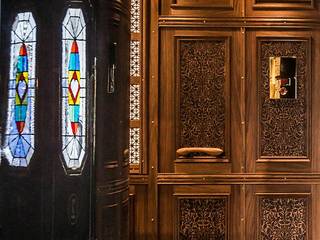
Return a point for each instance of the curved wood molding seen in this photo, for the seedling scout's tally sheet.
(183, 152)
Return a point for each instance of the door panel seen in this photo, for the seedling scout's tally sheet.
(198, 63)
(267, 150)
(43, 201)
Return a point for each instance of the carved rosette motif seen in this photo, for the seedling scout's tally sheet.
(202, 98)
(283, 123)
(204, 218)
(284, 218)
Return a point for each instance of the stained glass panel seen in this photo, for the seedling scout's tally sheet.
(19, 134)
(73, 88)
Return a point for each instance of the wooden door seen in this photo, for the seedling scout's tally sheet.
(209, 86)
(46, 195)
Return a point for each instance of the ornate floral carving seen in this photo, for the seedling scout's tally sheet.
(204, 218)
(283, 218)
(283, 123)
(202, 96)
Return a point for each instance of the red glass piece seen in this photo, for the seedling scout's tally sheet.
(20, 126)
(74, 127)
(23, 50)
(74, 47)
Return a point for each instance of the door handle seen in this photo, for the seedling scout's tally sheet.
(111, 69)
(191, 151)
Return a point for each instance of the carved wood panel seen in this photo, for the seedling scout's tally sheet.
(284, 217)
(203, 218)
(202, 87)
(284, 123)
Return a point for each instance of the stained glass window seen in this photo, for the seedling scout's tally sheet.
(19, 134)
(73, 88)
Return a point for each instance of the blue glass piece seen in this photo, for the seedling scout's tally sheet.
(74, 62)
(74, 111)
(19, 149)
(20, 113)
(22, 64)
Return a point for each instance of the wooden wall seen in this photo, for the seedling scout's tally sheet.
(207, 84)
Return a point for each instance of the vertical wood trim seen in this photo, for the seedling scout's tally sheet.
(243, 123)
(243, 99)
(315, 89)
(153, 124)
(144, 86)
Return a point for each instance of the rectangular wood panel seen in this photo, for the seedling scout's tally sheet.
(201, 7)
(284, 123)
(195, 99)
(199, 212)
(278, 211)
(278, 131)
(283, 215)
(284, 4)
(203, 92)
(202, 217)
(226, 4)
(283, 8)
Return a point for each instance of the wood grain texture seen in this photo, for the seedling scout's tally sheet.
(284, 217)
(203, 218)
(244, 173)
(201, 91)
(284, 127)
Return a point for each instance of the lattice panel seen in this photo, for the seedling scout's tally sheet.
(134, 146)
(284, 218)
(134, 102)
(135, 16)
(134, 58)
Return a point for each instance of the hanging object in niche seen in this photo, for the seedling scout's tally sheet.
(282, 77)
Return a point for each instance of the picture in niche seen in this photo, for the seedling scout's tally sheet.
(283, 77)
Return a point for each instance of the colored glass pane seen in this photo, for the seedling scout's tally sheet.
(73, 89)
(18, 145)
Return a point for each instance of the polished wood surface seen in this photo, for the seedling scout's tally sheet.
(112, 123)
(254, 175)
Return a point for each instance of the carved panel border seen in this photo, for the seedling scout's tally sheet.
(203, 122)
(212, 4)
(284, 4)
(202, 217)
(283, 216)
(284, 125)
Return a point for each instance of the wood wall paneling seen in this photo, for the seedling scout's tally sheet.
(199, 211)
(261, 173)
(277, 140)
(283, 211)
(195, 98)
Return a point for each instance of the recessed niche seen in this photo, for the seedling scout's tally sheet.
(283, 77)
